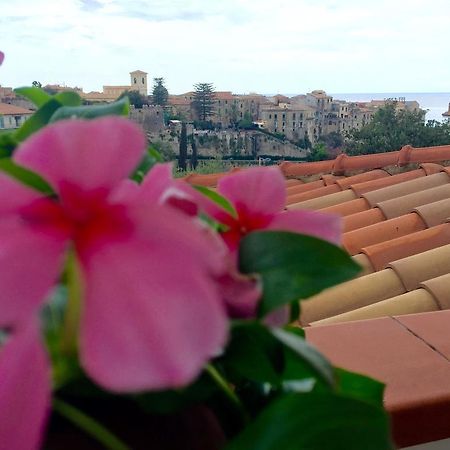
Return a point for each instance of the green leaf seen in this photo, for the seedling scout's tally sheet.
(217, 198)
(8, 143)
(359, 386)
(150, 158)
(307, 353)
(25, 176)
(118, 108)
(68, 98)
(254, 354)
(169, 401)
(293, 266)
(317, 421)
(38, 120)
(278, 357)
(36, 95)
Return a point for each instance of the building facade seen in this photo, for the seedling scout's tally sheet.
(12, 116)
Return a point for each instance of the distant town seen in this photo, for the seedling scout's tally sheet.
(288, 124)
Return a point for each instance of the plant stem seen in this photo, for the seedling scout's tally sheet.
(89, 425)
(226, 389)
(72, 317)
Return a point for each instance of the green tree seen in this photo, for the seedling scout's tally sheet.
(204, 98)
(246, 123)
(160, 94)
(136, 99)
(37, 84)
(318, 152)
(182, 157)
(332, 140)
(391, 129)
(194, 157)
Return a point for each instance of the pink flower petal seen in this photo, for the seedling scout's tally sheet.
(256, 191)
(321, 225)
(91, 155)
(30, 262)
(24, 390)
(241, 294)
(153, 315)
(14, 196)
(158, 180)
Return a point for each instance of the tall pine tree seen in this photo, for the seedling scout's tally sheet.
(194, 157)
(182, 157)
(160, 94)
(204, 99)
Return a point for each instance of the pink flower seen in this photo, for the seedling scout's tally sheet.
(152, 314)
(239, 293)
(259, 196)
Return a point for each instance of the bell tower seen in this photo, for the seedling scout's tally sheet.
(139, 82)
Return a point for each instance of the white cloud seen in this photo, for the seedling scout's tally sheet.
(241, 45)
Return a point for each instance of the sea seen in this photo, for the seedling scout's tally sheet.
(435, 103)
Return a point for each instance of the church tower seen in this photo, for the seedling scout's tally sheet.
(139, 82)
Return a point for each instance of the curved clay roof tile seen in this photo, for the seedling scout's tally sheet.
(402, 205)
(439, 288)
(346, 183)
(414, 302)
(368, 186)
(405, 188)
(354, 241)
(415, 269)
(351, 295)
(363, 219)
(430, 154)
(434, 213)
(325, 201)
(385, 252)
(349, 207)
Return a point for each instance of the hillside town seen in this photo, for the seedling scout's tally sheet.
(279, 125)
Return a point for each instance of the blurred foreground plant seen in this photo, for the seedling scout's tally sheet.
(125, 303)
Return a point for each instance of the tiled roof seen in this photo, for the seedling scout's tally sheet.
(7, 109)
(392, 322)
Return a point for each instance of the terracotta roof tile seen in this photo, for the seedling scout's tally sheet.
(347, 182)
(432, 328)
(305, 187)
(362, 188)
(405, 188)
(385, 252)
(417, 377)
(291, 169)
(417, 301)
(7, 109)
(349, 207)
(324, 201)
(319, 192)
(362, 219)
(396, 207)
(354, 241)
(351, 295)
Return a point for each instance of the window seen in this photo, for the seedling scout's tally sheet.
(293, 116)
(143, 80)
(270, 116)
(301, 124)
(293, 125)
(275, 116)
(284, 116)
(135, 80)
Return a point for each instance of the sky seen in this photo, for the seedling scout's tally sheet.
(264, 46)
